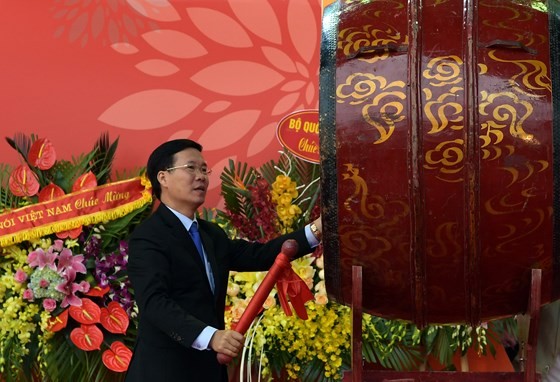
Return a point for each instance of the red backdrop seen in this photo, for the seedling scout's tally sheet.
(222, 72)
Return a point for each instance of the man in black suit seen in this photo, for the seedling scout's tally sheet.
(180, 289)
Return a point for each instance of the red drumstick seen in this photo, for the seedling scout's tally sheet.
(289, 249)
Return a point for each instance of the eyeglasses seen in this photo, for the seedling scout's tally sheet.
(192, 169)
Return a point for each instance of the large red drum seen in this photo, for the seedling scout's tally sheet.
(440, 136)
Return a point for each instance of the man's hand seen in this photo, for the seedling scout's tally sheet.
(228, 342)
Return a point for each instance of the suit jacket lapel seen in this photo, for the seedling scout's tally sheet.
(178, 230)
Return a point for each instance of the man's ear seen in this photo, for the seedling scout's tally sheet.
(162, 178)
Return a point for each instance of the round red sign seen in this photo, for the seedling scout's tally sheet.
(298, 132)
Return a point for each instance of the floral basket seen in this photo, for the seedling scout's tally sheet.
(67, 310)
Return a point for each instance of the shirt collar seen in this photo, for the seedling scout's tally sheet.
(186, 221)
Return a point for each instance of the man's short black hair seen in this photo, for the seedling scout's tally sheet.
(162, 158)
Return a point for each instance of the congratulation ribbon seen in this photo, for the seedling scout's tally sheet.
(102, 203)
(290, 286)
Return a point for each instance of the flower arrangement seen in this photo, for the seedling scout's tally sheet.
(66, 305)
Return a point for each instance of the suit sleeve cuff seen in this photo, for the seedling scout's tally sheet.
(311, 239)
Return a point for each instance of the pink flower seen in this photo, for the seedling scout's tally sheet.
(67, 261)
(20, 276)
(28, 295)
(44, 283)
(84, 286)
(57, 246)
(39, 258)
(69, 288)
(49, 304)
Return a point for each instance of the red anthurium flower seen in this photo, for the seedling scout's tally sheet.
(89, 313)
(114, 318)
(85, 182)
(59, 322)
(87, 337)
(71, 233)
(117, 358)
(97, 291)
(50, 192)
(42, 154)
(23, 181)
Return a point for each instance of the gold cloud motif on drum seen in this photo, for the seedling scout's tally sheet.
(444, 71)
(532, 168)
(371, 207)
(371, 41)
(532, 80)
(445, 243)
(381, 101)
(504, 112)
(447, 158)
(444, 76)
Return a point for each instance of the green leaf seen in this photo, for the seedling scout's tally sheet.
(102, 160)
(64, 173)
(21, 143)
(119, 229)
(368, 352)
(235, 180)
(129, 173)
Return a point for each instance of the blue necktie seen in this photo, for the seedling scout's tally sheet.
(198, 243)
(196, 238)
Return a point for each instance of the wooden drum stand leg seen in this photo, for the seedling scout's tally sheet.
(535, 314)
(357, 310)
(528, 374)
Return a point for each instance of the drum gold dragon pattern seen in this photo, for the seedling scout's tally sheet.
(437, 118)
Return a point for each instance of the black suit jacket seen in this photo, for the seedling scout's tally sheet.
(174, 296)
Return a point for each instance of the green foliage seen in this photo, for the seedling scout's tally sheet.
(114, 231)
(64, 173)
(128, 173)
(391, 343)
(236, 195)
(101, 162)
(22, 143)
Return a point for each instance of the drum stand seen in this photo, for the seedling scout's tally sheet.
(528, 351)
